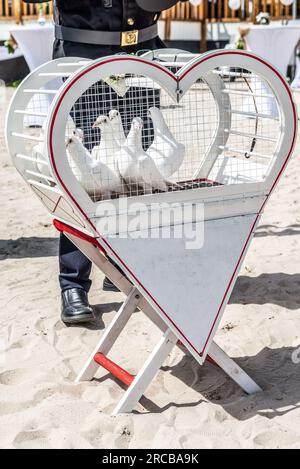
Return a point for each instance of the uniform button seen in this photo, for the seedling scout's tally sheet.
(130, 21)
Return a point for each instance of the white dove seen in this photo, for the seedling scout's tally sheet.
(135, 167)
(109, 146)
(94, 176)
(79, 133)
(165, 151)
(116, 122)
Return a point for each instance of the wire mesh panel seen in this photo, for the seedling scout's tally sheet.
(129, 131)
(133, 138)
(149, 142)
(251, 139)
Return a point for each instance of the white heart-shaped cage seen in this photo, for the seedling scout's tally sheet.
(214, 130)
(222, 123)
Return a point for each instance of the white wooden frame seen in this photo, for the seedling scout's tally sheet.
(240, 200)
(78, 211)
(167, 342)
(200, 66)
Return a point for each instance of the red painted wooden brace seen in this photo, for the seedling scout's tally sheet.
(114, 369)
(64, 228)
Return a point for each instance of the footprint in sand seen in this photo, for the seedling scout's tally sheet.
(37, 439)
(14, 377)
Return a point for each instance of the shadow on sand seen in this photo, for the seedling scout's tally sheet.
(99, 311)
(32, 247)
(272, 230)
(274, 370)
(278, 289)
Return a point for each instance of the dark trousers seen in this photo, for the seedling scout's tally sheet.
(75, 268)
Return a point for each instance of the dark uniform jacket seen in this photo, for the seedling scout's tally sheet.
(101, 15)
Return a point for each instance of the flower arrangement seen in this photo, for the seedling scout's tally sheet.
(240, 43)
(114, 79)
(118, 83)
(10, 45)
(263, 18)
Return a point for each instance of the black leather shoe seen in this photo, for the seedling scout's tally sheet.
(109, 286)
(75, 307)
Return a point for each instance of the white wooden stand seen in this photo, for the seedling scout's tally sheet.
(168, 340)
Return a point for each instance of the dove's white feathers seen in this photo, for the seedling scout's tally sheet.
(38, 151)
(94, 176)
(135, 166)
(108, 147)
(117, 125)
(165, 151)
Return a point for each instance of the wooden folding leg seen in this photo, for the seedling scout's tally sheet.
(147, 373)
(233, 370)
(134, 299)
(110, 336)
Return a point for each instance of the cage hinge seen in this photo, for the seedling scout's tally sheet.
(179, 92)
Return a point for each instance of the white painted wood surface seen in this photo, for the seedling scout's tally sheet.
(147, 373)
(111, 334)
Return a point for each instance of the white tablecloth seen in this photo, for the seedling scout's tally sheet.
(276, 44)
(36, 44)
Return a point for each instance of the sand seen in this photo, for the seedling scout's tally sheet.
(186, 406)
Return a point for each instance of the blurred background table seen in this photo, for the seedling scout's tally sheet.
(36, 44)
(275, 43)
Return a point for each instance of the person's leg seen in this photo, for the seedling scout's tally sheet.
(74, 267)
(98, 100)
(75, 283)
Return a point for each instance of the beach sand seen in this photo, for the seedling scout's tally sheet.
(186, 406)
